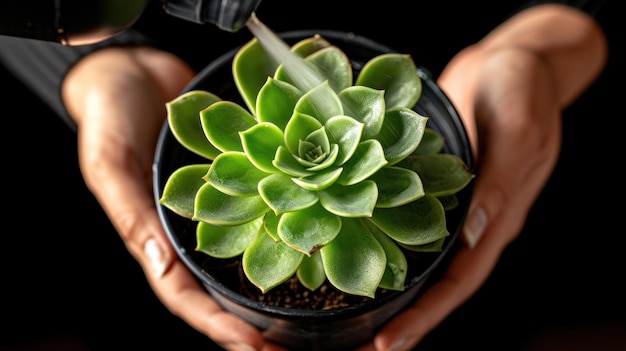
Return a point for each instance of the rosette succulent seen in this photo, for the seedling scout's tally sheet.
(327, 173)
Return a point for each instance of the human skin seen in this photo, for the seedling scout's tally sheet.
(117, 97)
(510, 89)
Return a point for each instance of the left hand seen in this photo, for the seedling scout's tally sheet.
(510, 90)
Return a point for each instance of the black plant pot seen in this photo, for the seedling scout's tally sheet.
(302, 329)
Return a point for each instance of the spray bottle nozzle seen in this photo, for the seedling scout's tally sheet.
(228, 15)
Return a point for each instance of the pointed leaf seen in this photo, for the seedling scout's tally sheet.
(233, 174)
(287, 163)
(345, 132)
(270, 224)
(268, 264)
(298, 128)
(307, 46)
(179, 192)
(397, 265)
(397, 186)
(309, 229)
(356, 200)
(327, 64)
(354, 261)
(311, 271)
(435, 246)
(397, 75)
(326, 161)
(183, 116)
(276, 102)
(317, 138)
(367, 159)
(321, 102)
(448, 202)
(401, 133)
(431, 143)
(251, 67)
(261, 143)
(365, 105)
(334, 66)
(320, 180)
(222, 123)
(226, 242)
(416, 223)
(441, 174)
(283, 195)
(213, 206)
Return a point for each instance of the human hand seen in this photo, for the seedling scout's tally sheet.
(117, 97)
(510, 90)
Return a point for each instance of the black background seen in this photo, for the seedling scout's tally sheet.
(65, 274)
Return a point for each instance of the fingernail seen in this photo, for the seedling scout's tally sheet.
(155, 255)
(398, 345)
(475, 226)
(242, 347)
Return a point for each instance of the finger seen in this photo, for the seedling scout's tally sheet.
(187, 299)
(465, 274)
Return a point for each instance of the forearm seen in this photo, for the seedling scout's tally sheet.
(42, 66)
(569, 41)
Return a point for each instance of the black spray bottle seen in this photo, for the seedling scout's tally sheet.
(79, 22)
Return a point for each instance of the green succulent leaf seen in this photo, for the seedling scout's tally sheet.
(442, 174)
(327, 64)
(357, 200)
(309, 229)
(416, 223)
(276, 102)
(233, 174)
(251, 67)
(315, 147)
(431, 143)
(367, 159)
(183, 116)
(449, 202)
(354, 261)
(222, 123)
(401, 133)
(346, 132)
(179, 192)
(288, 164)
(397, 265)
(435, 246)
(267, 263)
(270, 224)
(325, 159)
(311, 271)
(397, 75)
(317, 178)
(307, 46)
(365, 105)
(213, 206)
(298, 128)
(283, 195)
(226, 242)
(261, 143)
(397, 186)
(320, 180)
(321, 102)
(334, 66)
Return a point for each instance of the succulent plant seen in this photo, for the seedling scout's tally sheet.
(332, 181)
